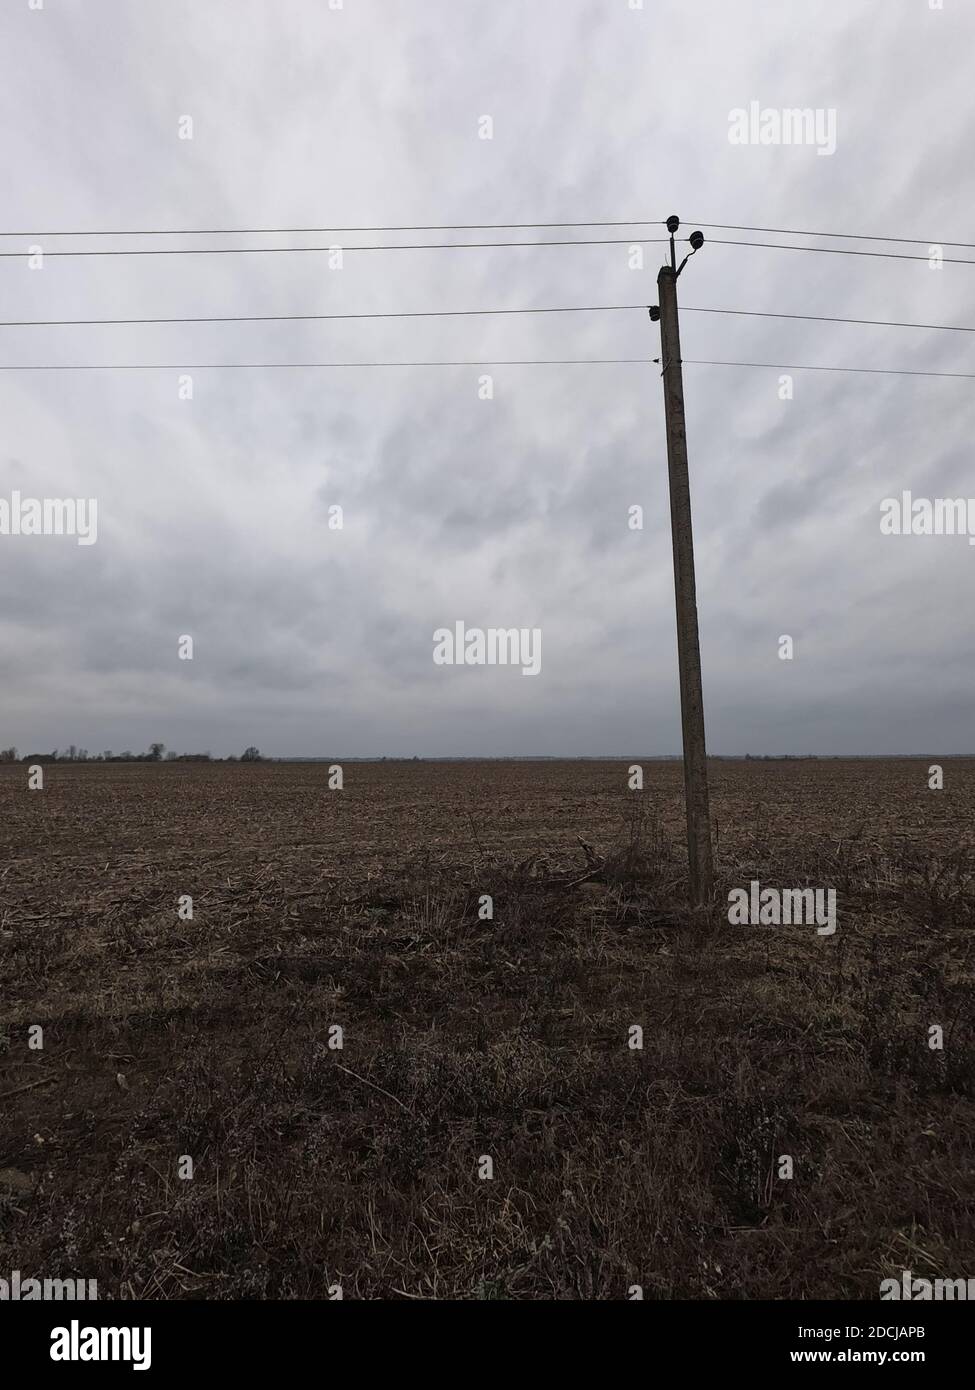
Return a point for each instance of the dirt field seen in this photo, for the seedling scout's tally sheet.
(315, 1166)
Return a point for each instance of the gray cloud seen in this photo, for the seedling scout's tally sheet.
(213, 513)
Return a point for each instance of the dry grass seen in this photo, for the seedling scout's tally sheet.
(465, 1037)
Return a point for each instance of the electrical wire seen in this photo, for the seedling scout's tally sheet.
(833, 251)
(845, 236)
(393, 246)
(825, 318)
(475, 362)
(473, 313)
(306, 231)
(806, 367)
(308, 318)
(207, 366)
(490, 226)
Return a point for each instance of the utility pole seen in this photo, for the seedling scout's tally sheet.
(688, 644)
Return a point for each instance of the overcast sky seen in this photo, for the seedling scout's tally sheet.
(508, 512)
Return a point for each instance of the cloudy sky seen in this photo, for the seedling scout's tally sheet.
(513, 511)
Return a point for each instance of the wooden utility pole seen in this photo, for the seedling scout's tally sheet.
(688, 643)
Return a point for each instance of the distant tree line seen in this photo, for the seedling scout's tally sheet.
(156, 753)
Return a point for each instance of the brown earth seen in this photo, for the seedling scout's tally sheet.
(315, 1166)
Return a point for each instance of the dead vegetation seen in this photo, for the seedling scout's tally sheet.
(465, 1035)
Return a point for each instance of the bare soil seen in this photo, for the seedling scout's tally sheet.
(463, 1037)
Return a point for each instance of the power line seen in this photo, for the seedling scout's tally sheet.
(845, 236)
(207, 366)
(293, 318)
(473, 246)
(487, 226)
(393, 246)
(476, 362)
(308, 231)
(805, 367)
(474, 313)
(823, 318)
(828, 251)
